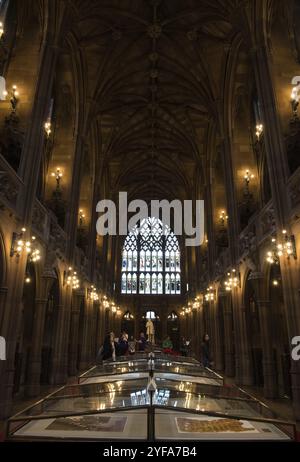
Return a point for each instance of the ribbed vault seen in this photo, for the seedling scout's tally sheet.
(153, 77)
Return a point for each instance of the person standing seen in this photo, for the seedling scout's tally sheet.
(205, 351)
(109, 347)
(167, 345)
(142, 342)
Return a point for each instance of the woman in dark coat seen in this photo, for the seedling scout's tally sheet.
(109, 350)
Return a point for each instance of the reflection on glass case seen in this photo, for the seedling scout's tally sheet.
(158, 406)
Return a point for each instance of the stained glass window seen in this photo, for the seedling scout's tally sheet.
(151, 260)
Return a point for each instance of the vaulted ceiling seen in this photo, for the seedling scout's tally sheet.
(154, 70)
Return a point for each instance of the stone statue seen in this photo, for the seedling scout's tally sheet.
(150, 331)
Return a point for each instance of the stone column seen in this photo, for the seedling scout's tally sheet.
(33, 147)
(219, 361)
(74, 331)
(100, 330)
(264, 307)
(84, 357)
(228, 334)
(3, 292)
(278, 172)
(35, 359)
(11, 317)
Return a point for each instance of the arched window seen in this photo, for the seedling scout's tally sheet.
(151, 260)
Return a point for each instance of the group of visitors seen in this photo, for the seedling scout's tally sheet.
(113, 347)
(185, 348)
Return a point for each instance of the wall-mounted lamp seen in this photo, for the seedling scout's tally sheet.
(47, 127)
(275, 282)
(58, 176)
(14, 100)
(20, 245)
(209, 296)
(247, 178)
(105, 302)
(232, 280)
(295, 98)
(27, 279)
(128, 316)
(71, 279)
(196, 304)
(223, 218)
(81, 217)
(259, 130)
(1, 30)
(35, 253)
(93, 294)
(284, 247)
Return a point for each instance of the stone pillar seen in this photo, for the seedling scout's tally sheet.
(58, 374)
(228, 334)
(245, 358)
(35, 359)
(3, 292)
(34, 141)
(74, 331)
(219, 359)
(278, 172)
(84, 357)
(100, 329)
(12, 314)
(264, 307)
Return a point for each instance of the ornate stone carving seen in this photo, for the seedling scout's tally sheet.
(154, 30)
(39, 218)
(11, 140)
(8, 189)
(57, 238)
(50, 263)
(295, 192)
(116, 34)
(248, 242)
(153, 57)
(268, 225)
(192, 34)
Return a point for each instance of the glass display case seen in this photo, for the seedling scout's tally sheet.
(152, 408)
(183, 368)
